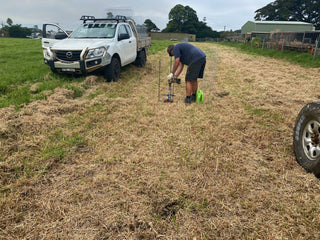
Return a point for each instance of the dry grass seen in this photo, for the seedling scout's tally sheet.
(118, 164)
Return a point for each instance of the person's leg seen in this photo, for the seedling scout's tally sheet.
(189, 88)
(194, 86)
(191, 80)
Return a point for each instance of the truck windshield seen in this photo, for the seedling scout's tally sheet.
(95, 30)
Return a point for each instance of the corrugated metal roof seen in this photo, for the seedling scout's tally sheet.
(282, 22)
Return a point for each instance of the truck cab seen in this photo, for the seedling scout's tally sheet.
(97, 44)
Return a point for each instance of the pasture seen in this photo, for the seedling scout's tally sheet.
(85, 159)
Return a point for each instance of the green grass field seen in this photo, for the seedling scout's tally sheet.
(21, 67)
(118, 163)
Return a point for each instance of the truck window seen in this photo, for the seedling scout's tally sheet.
(122, 29)
(95, 30)
(53, 32)
(132, 27)
(129, 30)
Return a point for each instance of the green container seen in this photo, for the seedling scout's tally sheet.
(199, 98)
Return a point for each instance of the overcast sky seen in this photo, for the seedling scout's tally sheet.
(220, 14)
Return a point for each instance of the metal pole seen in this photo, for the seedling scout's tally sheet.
(282, 45)
(170, 92)
(304, 34)
(159, 80)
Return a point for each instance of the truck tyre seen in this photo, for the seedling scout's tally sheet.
(141, 59)
(113, 70)
(306, 138)
(53, 70)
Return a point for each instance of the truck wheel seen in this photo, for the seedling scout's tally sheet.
(113, 70)
(53, 70)
(306, 139)
(141, 59)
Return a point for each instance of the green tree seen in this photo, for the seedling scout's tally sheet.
(182, 19)
(205, 31)
(9, 22)
(185, 20)
(191, 21)
(291, 10)
(151, 27)
(176, 18)
(17, 31)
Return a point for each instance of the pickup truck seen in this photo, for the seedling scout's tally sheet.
(105, 44)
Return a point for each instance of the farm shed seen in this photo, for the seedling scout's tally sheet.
(281, 26)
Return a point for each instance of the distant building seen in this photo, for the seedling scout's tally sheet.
(280, 26)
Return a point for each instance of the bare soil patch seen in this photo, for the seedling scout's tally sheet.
(118, 164)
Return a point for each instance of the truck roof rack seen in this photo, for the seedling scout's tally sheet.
(117, 18)
(84, 18)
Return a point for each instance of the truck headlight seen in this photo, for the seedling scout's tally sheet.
(97, 52)
(47, 53)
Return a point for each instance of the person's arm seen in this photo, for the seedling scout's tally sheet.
(177, 67)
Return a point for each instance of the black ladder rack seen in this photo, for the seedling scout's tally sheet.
(117, 18)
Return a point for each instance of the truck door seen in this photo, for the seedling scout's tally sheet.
(127, 45)
(133, 44)
(51, 34)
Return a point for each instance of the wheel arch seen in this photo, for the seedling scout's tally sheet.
(116, 55)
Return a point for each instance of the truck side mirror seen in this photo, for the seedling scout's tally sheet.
(60, 35)
(123, 36)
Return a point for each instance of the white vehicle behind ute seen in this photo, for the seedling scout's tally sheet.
(98, 44)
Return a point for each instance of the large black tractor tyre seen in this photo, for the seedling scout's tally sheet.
(306, 138)
(113, 70)
(141, 59)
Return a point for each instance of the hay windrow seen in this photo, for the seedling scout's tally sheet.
(118, 164)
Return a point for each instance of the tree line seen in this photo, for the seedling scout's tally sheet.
(291, 10)
(16, 31)
(184, 19)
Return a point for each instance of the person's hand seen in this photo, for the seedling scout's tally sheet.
(170, 76)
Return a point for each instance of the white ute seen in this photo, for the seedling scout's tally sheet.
(98, 44)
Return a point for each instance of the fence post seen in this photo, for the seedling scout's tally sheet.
(282, 45)
(263, 44)
(315, 50)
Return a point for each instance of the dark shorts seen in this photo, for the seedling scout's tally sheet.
(196, 70)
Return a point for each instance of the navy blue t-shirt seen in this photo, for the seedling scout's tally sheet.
(187, 53)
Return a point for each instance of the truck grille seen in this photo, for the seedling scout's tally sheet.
(68, 55)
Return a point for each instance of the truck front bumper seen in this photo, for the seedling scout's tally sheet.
(78, 67)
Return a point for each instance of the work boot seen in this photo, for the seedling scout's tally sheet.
(193, 97)
(187, 99)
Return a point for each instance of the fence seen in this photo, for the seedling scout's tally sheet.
(185, 37)
(294, 41)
